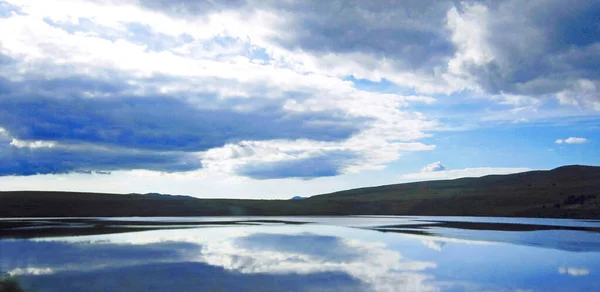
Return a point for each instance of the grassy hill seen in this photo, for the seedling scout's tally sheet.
(569, 191)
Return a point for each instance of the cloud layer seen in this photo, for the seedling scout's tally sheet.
(271, 90)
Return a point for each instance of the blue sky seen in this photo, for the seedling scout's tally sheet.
(252, 99)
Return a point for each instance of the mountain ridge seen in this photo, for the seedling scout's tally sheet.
(575, 167)
(571, 191)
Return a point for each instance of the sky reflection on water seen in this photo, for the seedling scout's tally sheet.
(310, 257)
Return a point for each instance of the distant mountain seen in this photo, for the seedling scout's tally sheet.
(162, 195)
(564, 192)
(298, 198)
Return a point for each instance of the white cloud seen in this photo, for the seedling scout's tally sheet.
(470, 35)
(575, 140)
(498, 42)
(434, 244)
(54, 52)
(472, 28)
(374, 150)
(30, 271)
(32, 144)
(571, 140)
(574, 271)
(582, 93)
(432, 167)
(458, 173)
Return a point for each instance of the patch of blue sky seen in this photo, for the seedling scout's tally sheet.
(261, 54)
(480, 132)
(7, 10)
(86, 25)
(383, 86)
(142, 34)
(136, 33)
(527, 145)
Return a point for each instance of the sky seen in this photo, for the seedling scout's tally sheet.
(274, 99)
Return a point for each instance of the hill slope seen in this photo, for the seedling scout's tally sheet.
(570, 191)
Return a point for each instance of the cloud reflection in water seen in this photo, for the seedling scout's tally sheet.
(213, 259)
(309, 257)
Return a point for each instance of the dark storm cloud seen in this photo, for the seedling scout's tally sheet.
(163, 126)
(193, 8)
(540, 47)
(537, 48)
(327, 164)
(151, 122)
(56, 160)
(408, 32)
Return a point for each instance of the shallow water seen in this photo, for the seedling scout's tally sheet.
(352, 253)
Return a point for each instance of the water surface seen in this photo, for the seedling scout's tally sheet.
(351, 253)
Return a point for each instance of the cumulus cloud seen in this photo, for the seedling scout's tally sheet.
(432, 167)
(30, 271)
(149, 123)
(157, 83)
(326, 164)
(436, 245)
(537, 57)
(571, 140)
(432, 45)
(306, 158)
(22, 157)
(32, 144)
(207, 79)
(574, 271)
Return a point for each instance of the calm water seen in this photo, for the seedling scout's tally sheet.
(301, 254)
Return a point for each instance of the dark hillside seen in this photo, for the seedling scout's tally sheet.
(570, 191)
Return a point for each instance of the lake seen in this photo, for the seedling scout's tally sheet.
(350, 253)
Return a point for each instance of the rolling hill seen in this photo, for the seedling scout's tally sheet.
(564, 192)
